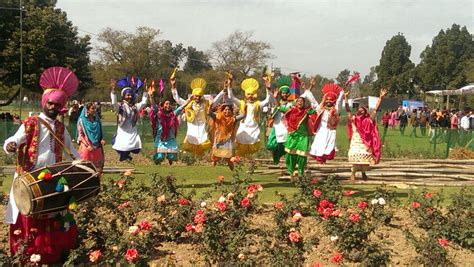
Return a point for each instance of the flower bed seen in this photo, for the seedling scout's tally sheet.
(131, 222)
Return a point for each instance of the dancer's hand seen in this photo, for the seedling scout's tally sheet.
(312, 82)
(268, 83)
(347, 94)
(173, 83)
(150, 90)
(102, 142)
(383, 93)
(12, 147)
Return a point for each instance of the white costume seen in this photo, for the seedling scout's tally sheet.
(127, 138)
(324, 142)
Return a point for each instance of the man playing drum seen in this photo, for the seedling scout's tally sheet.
(49, 235)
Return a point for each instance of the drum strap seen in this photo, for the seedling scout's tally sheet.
(65, 148)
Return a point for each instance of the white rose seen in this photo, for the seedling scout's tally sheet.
(241, 256)
(133, 229)
(381, 201)
(221, 199)
(297, 217)
(35, 258)
(230, 195)
(203, 204)
(334, 238)
(374, 201)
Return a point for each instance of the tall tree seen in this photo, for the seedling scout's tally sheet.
(240, 54)
(394, 71)
(49, 39)
(196, 61)
(446, 63)
(343, 76)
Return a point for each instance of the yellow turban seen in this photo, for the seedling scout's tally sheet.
(198, 85)
(250, 86)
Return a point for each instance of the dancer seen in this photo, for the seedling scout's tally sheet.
(324, 143)
(297, 142)
(127, 139)
(223, 130)
(166, 124)
(40, 141)
(90, 137)
(248, 133)
(364, 149)
(277, 138)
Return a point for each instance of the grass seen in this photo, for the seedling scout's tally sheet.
(203, 177)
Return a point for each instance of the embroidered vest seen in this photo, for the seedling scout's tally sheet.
(28, 152)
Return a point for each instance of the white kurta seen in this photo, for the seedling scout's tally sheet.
(45, 156)
(127, 138)
(249, 131)
(324, 141)
(196, 133)
(281, 132)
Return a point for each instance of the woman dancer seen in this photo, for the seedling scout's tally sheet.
(90, 137)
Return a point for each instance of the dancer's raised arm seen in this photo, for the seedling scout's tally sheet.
(383, 93)
(174, 93)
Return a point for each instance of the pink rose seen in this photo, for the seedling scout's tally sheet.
(199, 228)
(349, 193)
(415, 205)
(428, 195)
(221, 206)
(278, 205)
(145, 225)
(294, 236)
(443, 242)
(354, 217)
(200, 217)
(183, 202)
(95, 255)
(317, 193)
(121, 183)
(189, 227)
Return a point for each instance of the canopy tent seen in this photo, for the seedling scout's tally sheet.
(466, 90)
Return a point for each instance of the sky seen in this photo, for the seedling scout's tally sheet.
(310, 36)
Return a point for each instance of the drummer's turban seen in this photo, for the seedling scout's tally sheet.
(58, 85)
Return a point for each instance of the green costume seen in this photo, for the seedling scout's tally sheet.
(297, 142)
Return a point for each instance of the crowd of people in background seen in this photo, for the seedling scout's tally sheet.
(422, 119)
(9, 117)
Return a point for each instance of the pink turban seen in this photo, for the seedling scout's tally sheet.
(58, 84)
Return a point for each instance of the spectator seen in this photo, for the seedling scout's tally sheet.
(403, 120)
(414, 122)
(423, 122)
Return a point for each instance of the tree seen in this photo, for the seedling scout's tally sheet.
(49, 39)
(196, 61)
(394, 71)
(447, 63)
(343, 76)
(240, 54)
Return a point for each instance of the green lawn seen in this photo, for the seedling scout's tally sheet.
(203, 177)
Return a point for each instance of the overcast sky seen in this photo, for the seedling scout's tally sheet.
(314, 37)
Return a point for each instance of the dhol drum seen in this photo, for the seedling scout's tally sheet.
(35, 194)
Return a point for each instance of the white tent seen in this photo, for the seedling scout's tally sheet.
(466, 90)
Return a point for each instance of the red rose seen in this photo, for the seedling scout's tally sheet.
(145, 225)
(349, 193)
(278, 205)
(251, 189)
(326, 204)
(354, 217)
(189, 227)
(428, 195)
(95, 255)
(443, 242)
(362, 205)
(183, 202)
(336, 258)
(317, 193)
(294, 236)
(221, 206)
(245, 202)
(415, 204)
(131, 254)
